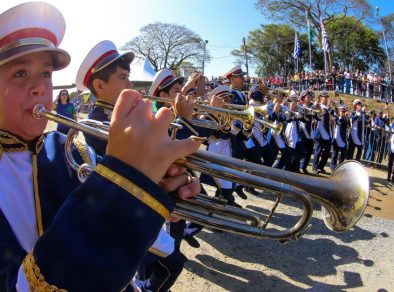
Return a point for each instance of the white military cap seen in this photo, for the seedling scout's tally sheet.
(32, 27)
(99, 57)
(220, 91)
(163, 79)
(235, 71)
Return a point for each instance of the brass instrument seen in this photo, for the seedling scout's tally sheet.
(311, 111)
(343, 196)
(261, 109)
(288, 113)
(276, 127)
(284, 109)
(246, 116)
(209, 124)
(277, 91)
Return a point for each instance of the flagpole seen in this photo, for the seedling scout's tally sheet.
(310, 53)
(309, 40)
(296, 58)
(325, 64)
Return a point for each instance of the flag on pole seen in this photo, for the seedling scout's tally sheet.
(297, 49)
(325, 42)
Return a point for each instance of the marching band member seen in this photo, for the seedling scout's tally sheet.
(391, 154)
(367, 133)
(277, 139)
(220, 142)
(306, 129)
(339, 138)
(241, 140)
(56, 233)
(166, 84)
(259, 133)
(292, 133)
(357, 131)
(105, 73)
(323, 135)
(371, 141)
(237, 81)
(380, 122)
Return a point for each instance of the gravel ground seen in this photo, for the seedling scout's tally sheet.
(360, 259)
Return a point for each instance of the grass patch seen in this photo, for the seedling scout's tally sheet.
(373, 104)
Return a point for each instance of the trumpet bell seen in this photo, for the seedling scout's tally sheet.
(262, 110)
(348, 194)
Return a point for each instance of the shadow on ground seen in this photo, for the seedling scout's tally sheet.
(302, 261)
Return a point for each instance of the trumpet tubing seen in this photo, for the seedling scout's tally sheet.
(276, 127)
(344, 196)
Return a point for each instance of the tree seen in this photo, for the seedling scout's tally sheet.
(188, 68)
(354, 45)
(388, 27)
(168, 46)
(295, 11)
(271, 50)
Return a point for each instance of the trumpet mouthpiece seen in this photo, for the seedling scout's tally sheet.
(38, 111)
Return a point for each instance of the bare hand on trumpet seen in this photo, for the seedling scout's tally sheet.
(184, 106)
(141, 139)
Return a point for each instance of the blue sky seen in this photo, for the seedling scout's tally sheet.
(222, 23)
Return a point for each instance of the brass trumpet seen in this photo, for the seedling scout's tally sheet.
(344, 196)
(312, 111)
(246, 116)
(262, 109)
(243, 113)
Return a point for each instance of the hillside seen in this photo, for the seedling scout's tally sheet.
(372, 104)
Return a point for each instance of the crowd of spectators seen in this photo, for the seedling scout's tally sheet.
(365, 84)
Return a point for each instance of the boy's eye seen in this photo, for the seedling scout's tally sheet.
(47, 74)
(20, 73)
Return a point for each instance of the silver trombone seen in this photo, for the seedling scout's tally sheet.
(343, 196)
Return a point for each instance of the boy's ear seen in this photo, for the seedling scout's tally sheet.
(98, 85)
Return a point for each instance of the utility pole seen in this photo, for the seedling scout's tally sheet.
(384, 39)
(246, 58)
(203, 58)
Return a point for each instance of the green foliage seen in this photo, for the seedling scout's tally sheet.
(388, 26)
(271, 49)
(295, 11)
(354, 45)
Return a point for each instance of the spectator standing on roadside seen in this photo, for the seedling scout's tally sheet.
(347, 81)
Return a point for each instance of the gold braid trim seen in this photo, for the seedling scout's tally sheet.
(34, 277)
(104, 104)
(83, 151)
(37, 202)
(158, 252)
(133, 189)
(11, 143)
